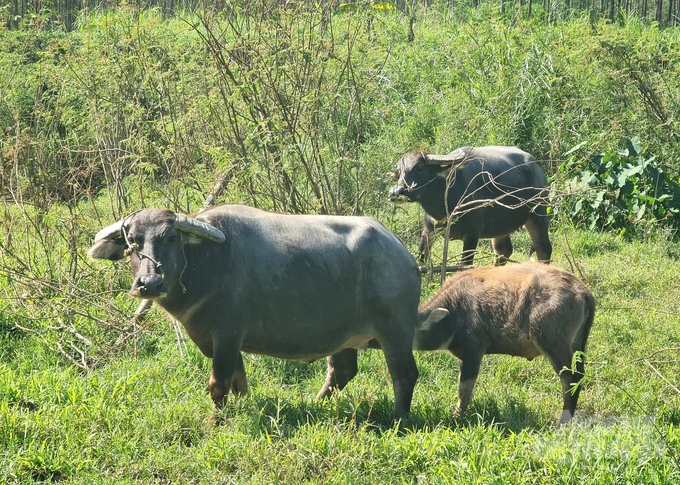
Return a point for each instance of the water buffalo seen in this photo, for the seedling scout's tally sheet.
(290, 286)
(489, 192)
(523, 310)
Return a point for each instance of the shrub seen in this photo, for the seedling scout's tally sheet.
(620, 189)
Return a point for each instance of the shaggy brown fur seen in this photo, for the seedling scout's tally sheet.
(523, 310)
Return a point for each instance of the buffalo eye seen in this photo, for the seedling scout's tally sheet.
(420, 167)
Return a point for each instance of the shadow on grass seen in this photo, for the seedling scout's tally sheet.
(283, 417)
(507, 416)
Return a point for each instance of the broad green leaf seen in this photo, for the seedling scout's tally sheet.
(633, 146)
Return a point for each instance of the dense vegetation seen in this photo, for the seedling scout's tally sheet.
(299, 110)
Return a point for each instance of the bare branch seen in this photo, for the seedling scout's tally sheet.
(656, 371)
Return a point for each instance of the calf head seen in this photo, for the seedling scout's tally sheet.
(434, 331)
(154, 241)
(417, 170)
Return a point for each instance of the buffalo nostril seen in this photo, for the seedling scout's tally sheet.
(148, 285)
(151, 281)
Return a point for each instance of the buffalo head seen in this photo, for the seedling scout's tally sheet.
(154, 240)
(417, 170)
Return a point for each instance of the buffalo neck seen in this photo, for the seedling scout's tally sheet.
(197, 280)
(432, 199)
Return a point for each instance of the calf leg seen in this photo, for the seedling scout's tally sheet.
(537, 225)
(561, 362)
(469, 370)
(502, 248)
(342, 367)
(571, 392)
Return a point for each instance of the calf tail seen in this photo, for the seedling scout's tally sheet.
(582, 338)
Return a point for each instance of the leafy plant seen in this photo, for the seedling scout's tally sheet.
(621, 189)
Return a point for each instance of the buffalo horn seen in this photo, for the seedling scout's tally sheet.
(458, 155)
(198, 228)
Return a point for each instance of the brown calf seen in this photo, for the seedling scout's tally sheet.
(523, 310)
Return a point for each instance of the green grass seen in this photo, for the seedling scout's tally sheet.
(144, 418)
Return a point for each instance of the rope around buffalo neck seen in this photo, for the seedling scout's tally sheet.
(184, 255)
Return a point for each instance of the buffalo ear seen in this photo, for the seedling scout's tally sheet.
(111, 249)
(434, 317)
(191, 238)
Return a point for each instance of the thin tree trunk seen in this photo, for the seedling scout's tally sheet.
(671, 9)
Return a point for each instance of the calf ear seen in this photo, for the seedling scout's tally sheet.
(434, 317)
(112, 249)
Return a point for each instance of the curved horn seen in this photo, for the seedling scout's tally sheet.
(110, 232)
(458, 155)
(197, 228)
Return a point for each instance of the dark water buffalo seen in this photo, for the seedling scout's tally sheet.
(524, 310)
(492, 191)
(289, 286)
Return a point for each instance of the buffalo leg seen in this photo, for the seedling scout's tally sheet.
(469, 249)
(226, 360)
(467, 378)
(342, 367)
(404, 372)
(502, 248)
(426, 239)
(537, 225)
(239, 383)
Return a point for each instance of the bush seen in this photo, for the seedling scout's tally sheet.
(621, 190)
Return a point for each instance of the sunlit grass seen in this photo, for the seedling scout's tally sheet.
(145, 418)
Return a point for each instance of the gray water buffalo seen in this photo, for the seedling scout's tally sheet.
(489, 192)
(290, 286)
(523, 310)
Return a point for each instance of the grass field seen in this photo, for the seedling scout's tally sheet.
(144, 417)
